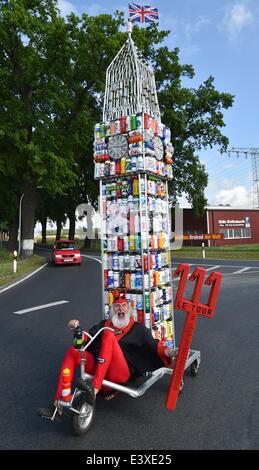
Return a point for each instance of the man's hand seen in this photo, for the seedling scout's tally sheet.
(170, 352)
(72, 324)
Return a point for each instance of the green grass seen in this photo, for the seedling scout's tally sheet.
(245, 252)
(24, 266)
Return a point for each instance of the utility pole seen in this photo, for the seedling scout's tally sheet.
(254, 154)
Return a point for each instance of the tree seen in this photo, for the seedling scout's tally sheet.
(34, 52)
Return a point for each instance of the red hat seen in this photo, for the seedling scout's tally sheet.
(119, 298)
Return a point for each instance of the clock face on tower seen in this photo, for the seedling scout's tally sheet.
(159, 148)
(118, 147)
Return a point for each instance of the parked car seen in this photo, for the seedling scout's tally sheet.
(66, 252)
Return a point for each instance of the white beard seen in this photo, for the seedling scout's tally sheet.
(120, 323)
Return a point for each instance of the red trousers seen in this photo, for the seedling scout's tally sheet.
(111, 365)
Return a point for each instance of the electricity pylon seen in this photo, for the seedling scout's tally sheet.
(254, 154)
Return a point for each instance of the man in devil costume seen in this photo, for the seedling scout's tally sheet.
(126, 352)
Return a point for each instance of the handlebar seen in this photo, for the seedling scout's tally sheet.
(92, 338)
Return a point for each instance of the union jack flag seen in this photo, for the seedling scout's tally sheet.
(142, 14)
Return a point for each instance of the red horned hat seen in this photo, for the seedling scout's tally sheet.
(118, 297)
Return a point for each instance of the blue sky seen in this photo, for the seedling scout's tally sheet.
(219, 38)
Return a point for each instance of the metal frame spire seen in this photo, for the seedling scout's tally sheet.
(130, 84)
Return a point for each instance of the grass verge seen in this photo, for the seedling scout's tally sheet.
(24, 266)
(242, 252)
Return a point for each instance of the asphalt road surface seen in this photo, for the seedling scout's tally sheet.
(218, 409)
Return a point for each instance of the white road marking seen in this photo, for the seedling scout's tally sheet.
(241, 271)
(92, 257)
(22, 280)
(213, 267)
(40, 307)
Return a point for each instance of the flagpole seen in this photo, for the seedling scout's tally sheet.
(129, 28)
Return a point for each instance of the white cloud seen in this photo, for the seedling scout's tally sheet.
(66, 7)
(190, 28)
(237, 197)
(236, 19)
(96, 9)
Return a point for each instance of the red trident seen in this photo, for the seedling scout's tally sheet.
(193, 308)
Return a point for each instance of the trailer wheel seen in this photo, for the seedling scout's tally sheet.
(194, 368)
(82, 421)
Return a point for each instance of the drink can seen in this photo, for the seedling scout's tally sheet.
(97, 131)
(116, 280)
(127, 262)
(133, 300)
(135, 187)
(138, 262)
(145, 260)
(107, 168)
(140, 162)
(107, 128)
(130, 187)
(160, 128)
(127, 280)
(105, 261)
(134, 164)
(121, 262)
(146, 121)
(156, 314)
(118, 168)
(132, 242)
(138, 242)
(120, 244)
(140, 316)
(97, 170)
(112, 168)
(105, 278)
(133, 123)
(128, 165)
(115, 243)
(139, 302)
(133, 281)
(147, 302)
(123, 126)
(128, 124)
(132, 262)
(102, 130)
(115, 261)
(106, 312)
(146, 280)
(110, 279)
(153, 299)
(117, 125)
(101, 170)
(126, 243)
(147, 321)
(112, 128)
(121, 278)
(139, 283)
(139, 119)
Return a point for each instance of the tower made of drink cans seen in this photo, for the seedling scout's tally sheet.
(133, 162)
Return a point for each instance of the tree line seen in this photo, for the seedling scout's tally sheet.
(52, 75)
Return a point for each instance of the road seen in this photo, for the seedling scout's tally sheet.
(218, 409)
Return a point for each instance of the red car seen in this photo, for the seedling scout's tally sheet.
(66, 252)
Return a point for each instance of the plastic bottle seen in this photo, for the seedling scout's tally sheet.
(66, 385)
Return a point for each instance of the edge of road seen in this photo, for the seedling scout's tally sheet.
(23, 278)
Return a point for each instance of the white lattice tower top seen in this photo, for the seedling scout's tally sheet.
(130, 84)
